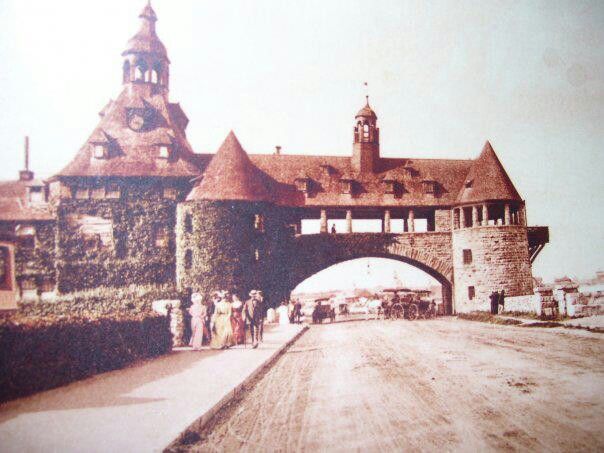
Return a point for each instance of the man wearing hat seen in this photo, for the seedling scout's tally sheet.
(253, 311)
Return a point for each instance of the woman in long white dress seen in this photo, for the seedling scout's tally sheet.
(198, 314)
(222, 330)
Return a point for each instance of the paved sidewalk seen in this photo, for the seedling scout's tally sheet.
(140, 408)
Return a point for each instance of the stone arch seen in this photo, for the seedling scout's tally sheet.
(317, 257)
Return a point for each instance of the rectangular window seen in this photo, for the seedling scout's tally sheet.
(96, 232)
(467, 256)
(112, 191)
(164, 151)
(170, 193)
(161, 237)
(26, 235)
(471, 292)
(81, 193)
(100, 151)
(97, 193)
(259, 223)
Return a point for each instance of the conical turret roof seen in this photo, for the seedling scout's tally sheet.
(487, 180)
(231, 175)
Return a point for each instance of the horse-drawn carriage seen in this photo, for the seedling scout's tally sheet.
(410, 304)
(321, 312)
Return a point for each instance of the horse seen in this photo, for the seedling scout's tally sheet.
(253, 311)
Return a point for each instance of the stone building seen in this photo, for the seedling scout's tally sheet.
(137, 206)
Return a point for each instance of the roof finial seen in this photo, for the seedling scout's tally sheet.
(366, 93)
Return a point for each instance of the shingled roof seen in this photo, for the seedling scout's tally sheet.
(146, 40)
(135, 153)
(487, 180)
(230, 175)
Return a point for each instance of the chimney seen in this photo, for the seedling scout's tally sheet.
(277, 150)
(26, 175)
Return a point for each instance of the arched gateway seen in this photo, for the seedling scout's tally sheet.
(317, 252)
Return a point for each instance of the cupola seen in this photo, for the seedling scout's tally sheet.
(146, 60)
(366, 146)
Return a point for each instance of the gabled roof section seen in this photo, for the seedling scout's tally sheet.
(231, 175)
(487, 180)
(135, 152)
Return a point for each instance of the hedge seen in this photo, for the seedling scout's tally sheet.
(42, 353)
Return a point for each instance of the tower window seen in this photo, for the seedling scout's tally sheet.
(82, 193)
(471, 292)
(188, 259)
(256, 255)
(100, 151)
(161, 236)
(36, 194)
(467, 256)
(366, 131)
(164, 151)
(259, 223)
(188, 223)
(170, 193)
(139, 71)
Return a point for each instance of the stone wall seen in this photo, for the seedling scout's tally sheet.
(442, 220)
(500, 261)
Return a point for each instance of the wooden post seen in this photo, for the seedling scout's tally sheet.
(411, 221)
(506, 214)
(485, 215)
(462, 218)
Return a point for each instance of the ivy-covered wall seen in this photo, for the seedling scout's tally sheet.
(220, 246)
(132, 256)
(35, 260)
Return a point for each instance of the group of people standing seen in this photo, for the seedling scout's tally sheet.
(221, 320)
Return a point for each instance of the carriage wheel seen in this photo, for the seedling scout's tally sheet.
(397, 312)
(412, 312)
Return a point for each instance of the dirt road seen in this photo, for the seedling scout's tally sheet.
(441, 385)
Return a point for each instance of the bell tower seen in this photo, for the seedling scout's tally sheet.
(366, 146)
(145, 58)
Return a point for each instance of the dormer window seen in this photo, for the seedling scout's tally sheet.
(100, 151)
(36, 194)
(429, 187)
(390, 186)
(163, 151)
(347, 186)
(468, 184)
(303, 184)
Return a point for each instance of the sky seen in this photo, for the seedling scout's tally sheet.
(443, 77)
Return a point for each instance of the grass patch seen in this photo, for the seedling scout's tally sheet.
(484, 316)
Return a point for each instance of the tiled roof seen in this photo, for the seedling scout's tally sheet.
(487, 180)
(231, 176)
(135, 153)
(14, 205)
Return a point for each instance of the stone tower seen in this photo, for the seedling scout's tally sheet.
(490, 244)
(221, 229)
(366, 146)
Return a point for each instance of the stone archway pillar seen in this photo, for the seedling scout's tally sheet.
(323, 221)
(386, 222)
(349, 221)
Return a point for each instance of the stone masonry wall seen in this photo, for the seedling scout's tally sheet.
(500, 260)
(442, 220)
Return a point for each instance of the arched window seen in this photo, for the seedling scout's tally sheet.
(366, 130)
(139, 71)
(156, 73)
(188, 259)
(126, 71)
